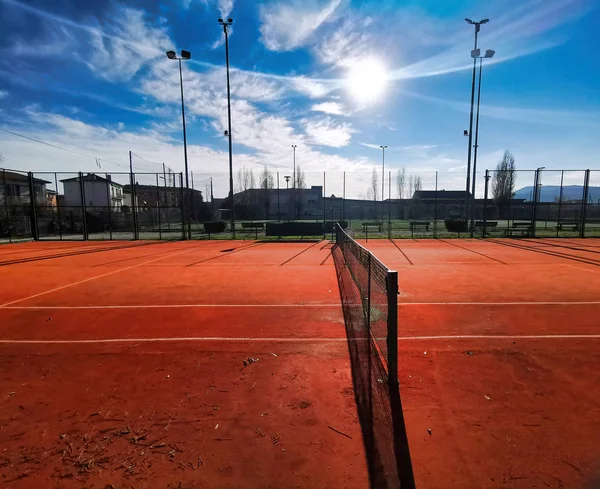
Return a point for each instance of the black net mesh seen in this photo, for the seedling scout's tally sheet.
(370, 277)
(362, 281)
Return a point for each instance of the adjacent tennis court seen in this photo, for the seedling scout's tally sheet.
(196, 364)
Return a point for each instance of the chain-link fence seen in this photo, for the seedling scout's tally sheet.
(392, 204)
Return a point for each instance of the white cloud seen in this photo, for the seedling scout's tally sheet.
(334, 108)
(56, 41)
(287, 26)
(225, 7)
(349, 42)
(513, 35)
(311, 87)
(326, 132)
(114, 49)
(550, 117)
(3, 93)
(136, 44)
(271, 136)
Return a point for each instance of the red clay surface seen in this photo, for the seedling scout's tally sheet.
(125, 366)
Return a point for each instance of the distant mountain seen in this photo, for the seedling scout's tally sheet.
(551, 193)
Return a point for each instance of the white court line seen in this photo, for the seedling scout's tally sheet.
(523, 303)
(584, 269)
(174, 306)
(170, 306)
(97, 276)
(294, 340)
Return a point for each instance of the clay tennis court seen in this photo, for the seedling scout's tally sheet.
(226, 364)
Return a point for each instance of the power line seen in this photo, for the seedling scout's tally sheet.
(72, 151)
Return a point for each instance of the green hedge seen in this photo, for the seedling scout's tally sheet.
(457, 225)
(294, 229)
(212, 227)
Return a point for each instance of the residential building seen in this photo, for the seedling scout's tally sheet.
(257, 203)
(14, 189)
(97, 191)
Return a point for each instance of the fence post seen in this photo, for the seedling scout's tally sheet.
(5, 193)
(560, 197)
(435, 199)
(158, 209)
(586, 194)
(390, 204)
(109, 204)
(485, 202)
(58, 207)
(344, 199)
(32, 211)
(183, 235)
(83, 206)
(324, 205)
(278, 208)
(536, 180)
(392, 333)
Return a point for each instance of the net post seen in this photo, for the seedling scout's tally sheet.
(392, 333)
(369, 337)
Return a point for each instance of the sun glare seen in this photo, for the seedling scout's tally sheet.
(367, 80)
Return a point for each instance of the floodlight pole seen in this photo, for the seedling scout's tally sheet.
(226, 23)
(382, 178)
(184, 55)
(477, 29)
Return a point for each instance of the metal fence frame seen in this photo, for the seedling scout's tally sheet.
(29, 216)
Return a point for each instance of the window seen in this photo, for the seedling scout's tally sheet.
(13, 190)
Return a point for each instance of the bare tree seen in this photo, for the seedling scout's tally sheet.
(300, 178)
(411, 185)
(299, 185)
(418, 184)
(374, 187)
(504, 179)
(266, 185)
(245, 179)
(400, 182)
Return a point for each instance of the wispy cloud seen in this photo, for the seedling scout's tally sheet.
(225, 7)
(119, 47)
(3, 93)
(326, 132)
(287, 26)
(347, 43)
(526, 30)
(334, 108)
(551, 117)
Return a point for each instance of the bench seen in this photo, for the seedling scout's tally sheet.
(416, 224)
(367, 225)
(522, 224)
(572, 224)
(253, 225)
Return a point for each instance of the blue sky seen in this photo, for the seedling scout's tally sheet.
(93, 77)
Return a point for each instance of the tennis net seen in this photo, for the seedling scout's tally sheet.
(378, 289)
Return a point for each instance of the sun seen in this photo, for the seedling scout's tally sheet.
(367, 80)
